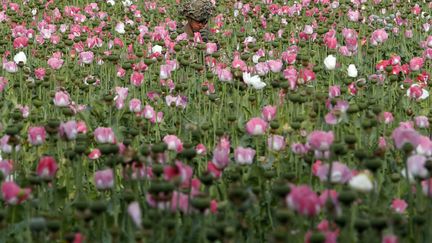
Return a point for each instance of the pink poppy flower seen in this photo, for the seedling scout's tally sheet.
(181, 171)
(276, 142)
(303, 200)
(61, 99)
(268, 112)
(221, 153)
(416, 63)
(256, 126)
(390, 239)
(13, 194)
(174, 143)
(244, 156)
(137, 78)
(39, 73)
(386, 117)
(20, 42)
(47, 167)
(104, 179)
(36, 135)
(95, 154)
(320, 140)
(399, 205)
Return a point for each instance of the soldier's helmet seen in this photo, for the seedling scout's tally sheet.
(199, 10)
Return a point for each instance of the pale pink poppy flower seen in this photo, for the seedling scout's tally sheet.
(6, 167)
(69, 130)
(402, 135)
(353, 15)
(290, 73)
(378, 36)
(221, 153)
(134, 212)
(224, 74)
(61, 99)
(416, 167)
(276, 142)
(399, 205)
(135, 105)
(104, 135)
(308, 29)
(428, 54)
(3, 83)
(211, 48)
(427, 187)
(421, 121)
(256, 126)
(340, 173)
(86, 57)
(268, 112)
(262, 68)
(174, 143)
(303, 200)
(244, 156)
(157, 118)
(55, 63)
(10, 67)
(275, 65)
(121, 96)
(334, 91)
(416, 63)
(320, 140)
(382, 143)
(104, 179)
(36, 135)
(13, 194)
(299, 148)
(47, 167)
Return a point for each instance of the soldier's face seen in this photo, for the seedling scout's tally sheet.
(196, 26)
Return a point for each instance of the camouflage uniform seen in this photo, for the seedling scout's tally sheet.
(198, 10)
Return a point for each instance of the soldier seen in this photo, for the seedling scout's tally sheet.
(198, 13)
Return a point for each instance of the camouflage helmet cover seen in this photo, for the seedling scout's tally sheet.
(199, 10)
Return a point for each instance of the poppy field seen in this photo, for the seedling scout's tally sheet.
(293, 121)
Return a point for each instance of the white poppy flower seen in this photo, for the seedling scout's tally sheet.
(361, 182)
(352, 71)
(20, 57)
(330, 62)
(254, 81)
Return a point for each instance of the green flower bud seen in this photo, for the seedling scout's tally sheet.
(37, 224)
